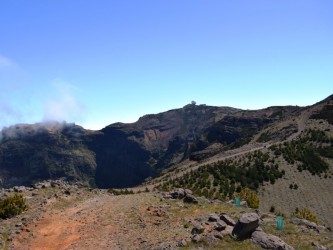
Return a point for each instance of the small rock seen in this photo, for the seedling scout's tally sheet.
(243, 204)
(178, 193)
(317, 246)
(67, 192)
(213, 218)
(188, 192)
(216, 235)
(228, 231)
(226, 218)
(182, 243)
(220, 226)
(198, 229)
(190, 199)
(309, 224)
(268, 241)
(196, 238)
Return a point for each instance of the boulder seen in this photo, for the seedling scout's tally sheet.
(227, 219)
(246, 225)
(178, 193)
(268, 241)
(190, 199)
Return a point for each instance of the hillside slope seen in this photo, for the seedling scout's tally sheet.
(124, 155)
(300, 148)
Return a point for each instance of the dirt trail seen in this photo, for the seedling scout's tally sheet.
(63, 228)
(100, 222)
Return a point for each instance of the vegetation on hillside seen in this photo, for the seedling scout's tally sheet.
(250, 197)
(305, 214)
(12, 206)
(225, 178)
(307, 152)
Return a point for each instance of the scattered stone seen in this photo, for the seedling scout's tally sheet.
(198, 229)
(18, 225)
(268, 241)
(243, 204)
(227, 219)
(188, 192)
(181, 193)
(67, 192)
(227, 231)
(196, 238)
(317, 246)
(220, 226)
(182, 243)
(190, 199)
(213, 218)
(178, 193)
(214, 235)
(246, 225)
(165, 246)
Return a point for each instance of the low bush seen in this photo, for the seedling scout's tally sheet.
(12, 206)
(305, 214)
(250, 197)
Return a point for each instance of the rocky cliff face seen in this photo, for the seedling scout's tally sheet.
(123, 155)
(30, 153)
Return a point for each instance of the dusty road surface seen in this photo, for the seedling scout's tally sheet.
(101, 221)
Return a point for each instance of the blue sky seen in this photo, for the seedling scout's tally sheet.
(99, 62)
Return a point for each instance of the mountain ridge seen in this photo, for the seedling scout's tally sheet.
(125, 154)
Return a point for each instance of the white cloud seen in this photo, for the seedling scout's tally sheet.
(62, 104)
(6, 62)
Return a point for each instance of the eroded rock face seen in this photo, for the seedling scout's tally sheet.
(246, 225)
(268, 241)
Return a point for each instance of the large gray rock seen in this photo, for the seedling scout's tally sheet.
(245, 226)
(268, 241)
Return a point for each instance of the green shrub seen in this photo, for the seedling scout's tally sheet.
(250, 197)
(305, 214)
(12, 205)
(120, 192)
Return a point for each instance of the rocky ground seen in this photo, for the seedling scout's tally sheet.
(63, 216)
